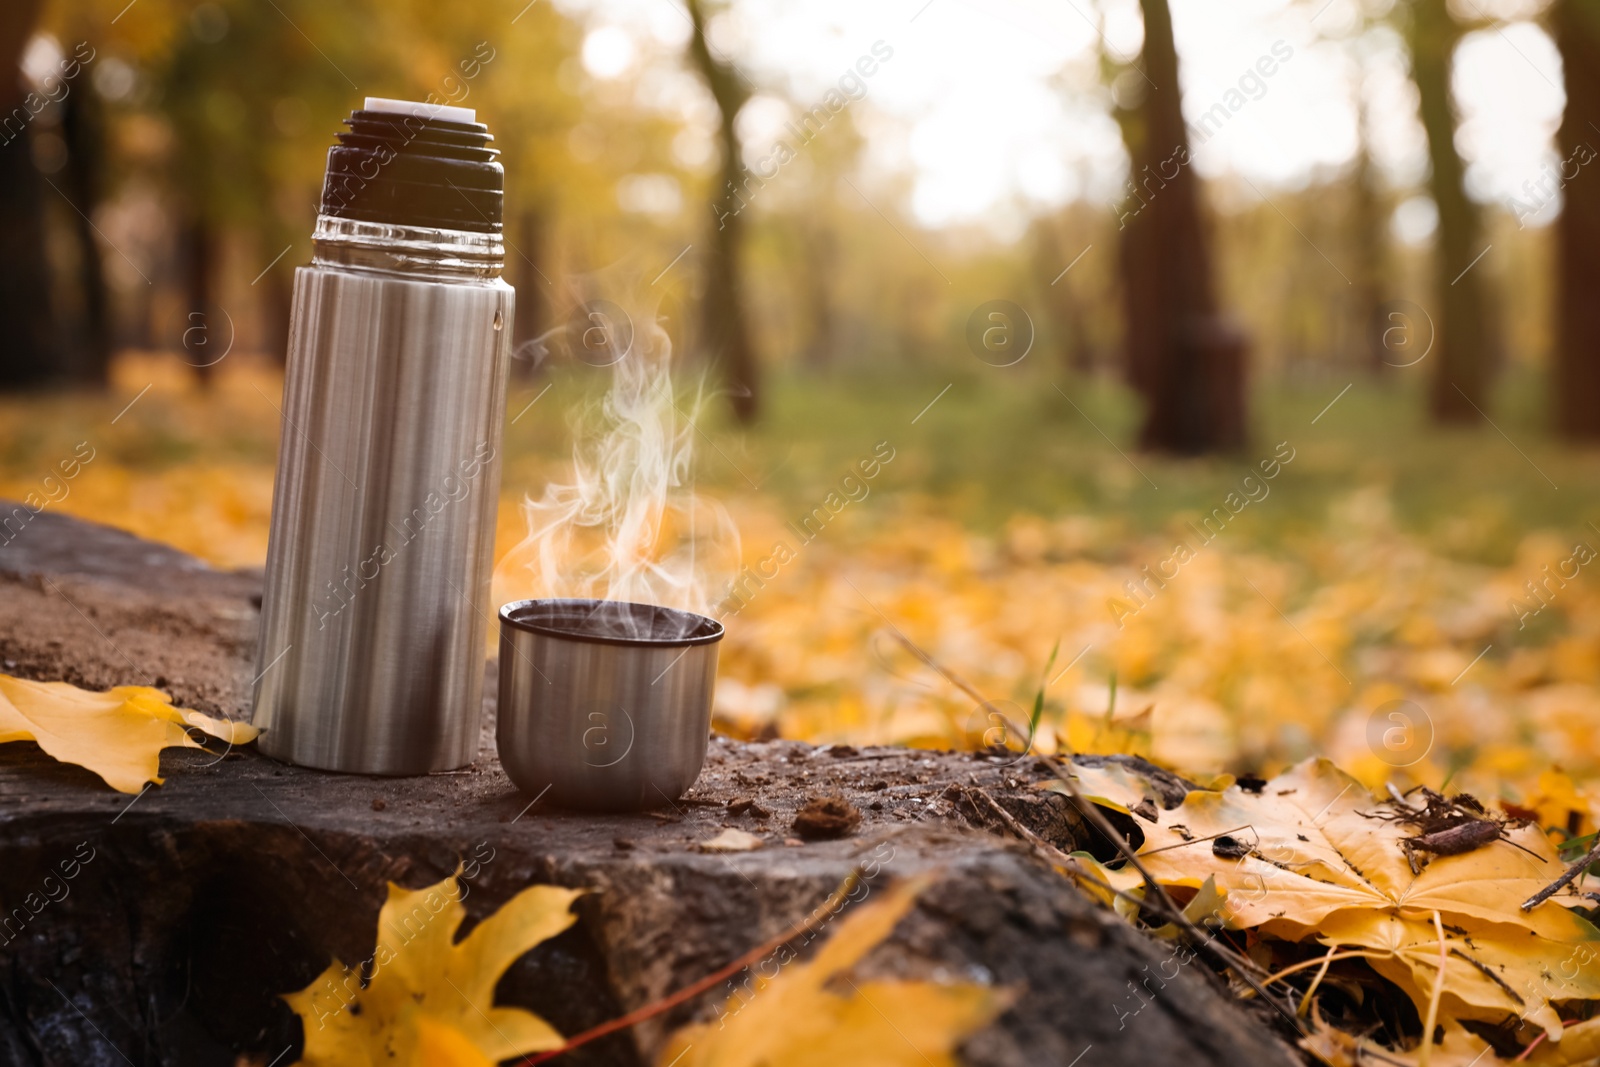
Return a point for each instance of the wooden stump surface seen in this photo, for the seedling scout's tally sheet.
(238, 880)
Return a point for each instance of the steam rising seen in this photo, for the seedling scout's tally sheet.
(629, 525)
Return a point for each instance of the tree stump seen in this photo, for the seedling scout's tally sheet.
(193, 906)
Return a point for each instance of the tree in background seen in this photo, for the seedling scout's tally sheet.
(476, 56)
(234, 106)
(231, 158)
(724, 330)
(1576, 24)
(83, 182)
(1069, 297)
(1367, 224)
(1185, 358)
(1464, 345)
(27, 357)
(814, 217)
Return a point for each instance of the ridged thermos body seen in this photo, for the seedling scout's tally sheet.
(376, 602)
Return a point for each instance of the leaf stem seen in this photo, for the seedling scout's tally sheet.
(1432, 1021)
(1311, 990)
(1333, 954)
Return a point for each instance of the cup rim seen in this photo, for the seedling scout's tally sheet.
(508, 619)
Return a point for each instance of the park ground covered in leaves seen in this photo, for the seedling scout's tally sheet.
(1333, 635)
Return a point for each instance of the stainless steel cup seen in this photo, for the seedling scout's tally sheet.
(604, 705)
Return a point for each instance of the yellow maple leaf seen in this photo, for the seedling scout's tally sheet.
(118, 734)
(1111, 785)
(429, 1000)
(442, 1045)
(1312, 854)
(1557, 801)
(1105, 734)
(1491, 973)
(815, 1015)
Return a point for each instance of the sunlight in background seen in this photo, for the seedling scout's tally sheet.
(992, 111)
(1509, 88)
(607, 52)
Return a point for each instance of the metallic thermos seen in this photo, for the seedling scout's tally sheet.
(383, 514)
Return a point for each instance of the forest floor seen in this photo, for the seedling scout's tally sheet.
(1384, 561)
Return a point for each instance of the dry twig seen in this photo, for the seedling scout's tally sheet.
(1578, 867)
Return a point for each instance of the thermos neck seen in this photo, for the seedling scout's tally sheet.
(420, 253)
(412, 189)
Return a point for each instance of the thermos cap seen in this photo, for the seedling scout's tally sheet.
(411, 163)
(413, 107)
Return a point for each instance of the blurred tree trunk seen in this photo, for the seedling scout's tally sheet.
(820, 258)
(199, 262)
(83, 180)
(1068, 315)
(277, 304)
(724, 329)
(1372, 267)
(27, 355)
(533, 302)
(1184, 356)
(1463, 344)
(1577, 366)
(274, 247)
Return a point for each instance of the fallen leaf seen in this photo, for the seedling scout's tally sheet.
(429, 1000)
(1326, 861)
(442, 1045)
(814, 1014)
(1557, 801)
(732, 840)
(1205, 910)
(1112, 785)
(1120, 734)
(1491, 973)
(118, 734)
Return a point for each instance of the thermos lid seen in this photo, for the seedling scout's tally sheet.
(427, 111)
(412, 163)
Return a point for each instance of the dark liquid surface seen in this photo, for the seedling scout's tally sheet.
(614, 621)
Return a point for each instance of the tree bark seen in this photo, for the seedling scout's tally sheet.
(199, 332)
(1577, 358)
(83, 127)
(1372, 267)
(277, 304)
(1185, 357)
(724, 329)
(1463, 346)
(28, 356)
